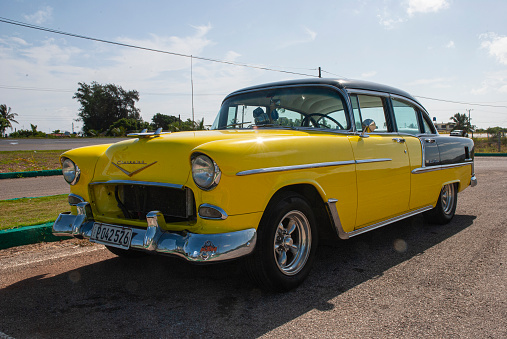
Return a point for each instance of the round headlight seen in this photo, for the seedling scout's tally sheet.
(70, 171)
(205, 172)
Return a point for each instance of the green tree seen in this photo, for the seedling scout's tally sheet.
(163, 120)
(27, 133)
(124, 126)
(6, 118)
(102, 105)
(462, 122)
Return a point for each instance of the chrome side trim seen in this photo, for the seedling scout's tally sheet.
(133, 182)
(190, 246)
(331, 205)
(367, 161)
(308, 166)
(295, 167)
(335, 218)
(438, 167)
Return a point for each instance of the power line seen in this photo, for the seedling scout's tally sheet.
(50, 30)
(22, 24)
(42, 89)
(460, 102)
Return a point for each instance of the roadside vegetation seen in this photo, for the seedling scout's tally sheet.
(31, 211)
(21, 161)
(490, 145)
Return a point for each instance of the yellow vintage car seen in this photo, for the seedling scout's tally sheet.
(283, 165)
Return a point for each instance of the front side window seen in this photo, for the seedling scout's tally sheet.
(309, 107)
(405, 116)
(372, 108)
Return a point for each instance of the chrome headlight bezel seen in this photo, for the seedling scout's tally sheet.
(70, 171)
(205, 171)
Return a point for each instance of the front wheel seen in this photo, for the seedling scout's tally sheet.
(286, 244)
(445, 209)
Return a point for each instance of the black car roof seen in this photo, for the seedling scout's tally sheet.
(339, 83)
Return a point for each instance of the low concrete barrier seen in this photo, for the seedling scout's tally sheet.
(28, 235)
(27, 174)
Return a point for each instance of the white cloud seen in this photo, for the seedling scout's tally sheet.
(389, 16)
(311, 34)
(496, 46)
(232, 56)
(389, 23)
(41, 16)
(306, 37)
(368, 74)
(163, 80)
(433, 82)
(450, 44)
(426, 6)
(493, 82)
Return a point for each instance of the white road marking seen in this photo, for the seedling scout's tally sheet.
(16, 261)
(5, 336)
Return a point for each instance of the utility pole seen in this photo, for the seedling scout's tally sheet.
(470, 121)
(320, 72)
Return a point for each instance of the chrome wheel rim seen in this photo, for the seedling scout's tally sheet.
(447, 198)
(292, 243)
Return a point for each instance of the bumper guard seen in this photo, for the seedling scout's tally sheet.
(191, 246)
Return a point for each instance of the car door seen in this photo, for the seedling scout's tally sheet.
(382, 163)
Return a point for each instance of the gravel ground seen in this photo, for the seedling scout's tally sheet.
(408, 279)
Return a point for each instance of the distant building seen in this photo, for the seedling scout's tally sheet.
(444, 127)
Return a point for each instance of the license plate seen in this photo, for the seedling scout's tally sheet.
(111, 235)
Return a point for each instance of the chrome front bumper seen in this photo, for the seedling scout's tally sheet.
(191, 246)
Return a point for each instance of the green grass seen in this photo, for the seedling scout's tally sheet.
(483, 145)
(21, 161)
(31, 211)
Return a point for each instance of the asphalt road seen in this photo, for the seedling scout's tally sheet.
(405, 280)
(33, 187)
(52, 144)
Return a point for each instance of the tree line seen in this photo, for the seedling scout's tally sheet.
(110, 110)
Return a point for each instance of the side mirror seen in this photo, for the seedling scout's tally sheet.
(368, 126)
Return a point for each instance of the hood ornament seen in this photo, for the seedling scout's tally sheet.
(132, 163)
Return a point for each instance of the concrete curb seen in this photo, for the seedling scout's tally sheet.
(28, 235)
(491, 154)
(27, 174)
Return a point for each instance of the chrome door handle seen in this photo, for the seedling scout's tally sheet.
(399, 140)
(430, 141)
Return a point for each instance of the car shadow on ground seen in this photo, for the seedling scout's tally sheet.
(166, 297)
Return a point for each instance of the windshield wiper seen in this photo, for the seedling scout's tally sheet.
(236, 124)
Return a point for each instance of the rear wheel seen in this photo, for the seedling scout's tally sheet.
(286, 244)
(445, 209)
(125, 253)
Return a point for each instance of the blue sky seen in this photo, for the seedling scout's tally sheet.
(442, 49)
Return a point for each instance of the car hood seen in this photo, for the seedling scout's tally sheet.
(167, 158)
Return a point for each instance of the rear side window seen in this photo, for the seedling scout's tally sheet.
(427, 127)
(405, 117)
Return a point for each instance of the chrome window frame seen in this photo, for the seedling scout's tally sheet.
(383, 95)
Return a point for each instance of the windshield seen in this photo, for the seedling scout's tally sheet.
(310, 107)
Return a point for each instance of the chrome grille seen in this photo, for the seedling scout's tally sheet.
(135, 201)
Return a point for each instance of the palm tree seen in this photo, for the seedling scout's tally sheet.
(462, 122)
(6, 118)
